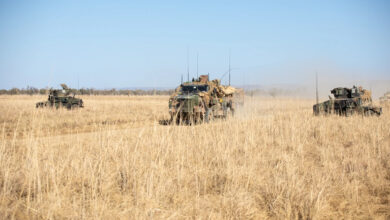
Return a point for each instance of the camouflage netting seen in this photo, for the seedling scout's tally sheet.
(228, 90)
(201, 100)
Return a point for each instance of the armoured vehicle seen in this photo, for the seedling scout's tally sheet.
(385, 99)
(348, 101)
(200, 101)
(61, 98)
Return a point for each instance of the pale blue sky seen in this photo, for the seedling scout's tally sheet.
(121, 44)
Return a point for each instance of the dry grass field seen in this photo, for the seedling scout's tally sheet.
(113, 160)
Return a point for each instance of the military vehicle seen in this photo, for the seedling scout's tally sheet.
(61, 98)
(348, 101)
(385, 99)
(201, 101)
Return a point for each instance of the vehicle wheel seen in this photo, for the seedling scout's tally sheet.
(196, 118)
(191, 118)
(179, 118)
(348, 112)
(208, 115)
(75, 106)
(367, 112)
(232, 112)
(199, 117)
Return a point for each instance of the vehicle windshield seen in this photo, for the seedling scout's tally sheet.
(195, 88)
(339, 92)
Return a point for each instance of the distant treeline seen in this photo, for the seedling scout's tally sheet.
(273, 92)
(86, 91)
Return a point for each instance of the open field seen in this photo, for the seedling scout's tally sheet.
(113, 160)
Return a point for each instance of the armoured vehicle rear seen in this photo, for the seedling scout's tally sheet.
(348, 101)
(59, 98)
(200, 101)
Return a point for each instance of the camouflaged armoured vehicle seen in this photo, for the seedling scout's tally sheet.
(385, 99)
(348, 101)
(61, 98)
(201, 100)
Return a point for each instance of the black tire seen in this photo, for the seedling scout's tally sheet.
(231, 108)
(75, 106)
(179, 118)
(208, 115)
(200, 116)
(191, 119)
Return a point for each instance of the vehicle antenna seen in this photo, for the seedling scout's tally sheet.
(188, 64)
(197, 65)
(48, 84)
(181, 79)
(229, 67)
(316, 87)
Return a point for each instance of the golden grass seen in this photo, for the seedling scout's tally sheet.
(113, 160)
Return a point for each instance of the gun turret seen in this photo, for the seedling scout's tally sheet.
(341, 92)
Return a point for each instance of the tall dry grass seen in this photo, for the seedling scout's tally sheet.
(113, 160)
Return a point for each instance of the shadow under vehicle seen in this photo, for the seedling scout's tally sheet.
(61, 98)
(347, 102)
(201, 101)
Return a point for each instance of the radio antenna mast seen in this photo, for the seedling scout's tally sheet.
(229, 67)
(197, 65)
(316, 87)
(188, 64)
